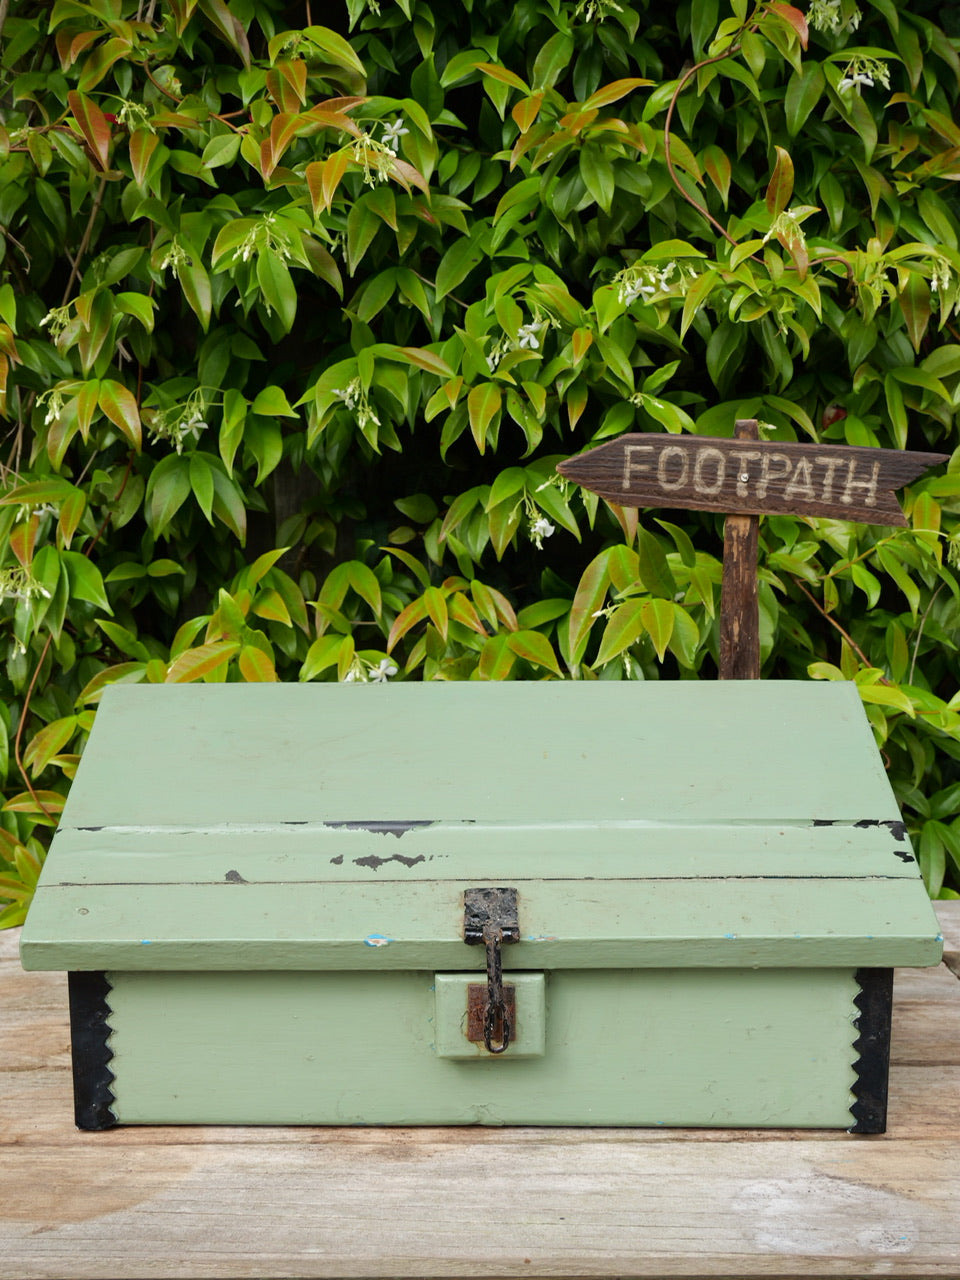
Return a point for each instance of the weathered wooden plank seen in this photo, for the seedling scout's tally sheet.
(780, 922)
(949, 913)
(557, 1206)
(704, 473)
(225, 1203)
(537, 751)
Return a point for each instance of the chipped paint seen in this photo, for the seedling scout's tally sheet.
(375, 863)
(234, 877)
(382, 828)
(377, 940)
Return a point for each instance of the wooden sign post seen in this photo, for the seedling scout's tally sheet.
(746, 477)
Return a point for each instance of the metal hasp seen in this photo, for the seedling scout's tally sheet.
(491, 917)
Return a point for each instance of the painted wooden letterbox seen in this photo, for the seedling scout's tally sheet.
(546, 903)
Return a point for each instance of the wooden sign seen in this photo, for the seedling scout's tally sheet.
(704, 473)
(746, 477)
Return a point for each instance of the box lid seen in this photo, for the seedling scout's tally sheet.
(336, 826)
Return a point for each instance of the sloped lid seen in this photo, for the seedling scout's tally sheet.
(336, 826)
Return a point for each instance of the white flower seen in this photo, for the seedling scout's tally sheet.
(20, 584)
(392, 133)
(528, 337)
(825, 15)
(538, 529)
(940, 276)
(864, 71)
(382, 673)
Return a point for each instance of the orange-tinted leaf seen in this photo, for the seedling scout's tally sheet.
(613, 92)
(143, 143)
(22, 540)
(462, 611)
(44, 745)
(780, 188)
(483, 404)
(582, 341)
(425, 360)
(71, 513)
(121, 408)
(294, 71)
(496, 659)
(255, 665)
(283, 130)
(435, 603)
(71, 43)
(793, 18)
(415, 612)
(93, 125)
(588, 599)
(51, 801)
(202, 661)
(503, 75)
(182, 13)
(535, 648)
(323, 178)
(526, 111)
(717, 167)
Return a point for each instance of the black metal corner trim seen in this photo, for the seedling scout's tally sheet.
(875, 1003)
(89, 1032)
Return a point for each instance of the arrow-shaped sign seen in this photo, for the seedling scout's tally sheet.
(746, 477)
(750, 476)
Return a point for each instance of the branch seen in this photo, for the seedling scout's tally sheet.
(88, 232)
(834, 623)
(23, 720)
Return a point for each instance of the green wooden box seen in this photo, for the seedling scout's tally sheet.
(259, 893)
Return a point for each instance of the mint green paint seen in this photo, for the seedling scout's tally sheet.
(687, 1047)
(551, 751)
(450, 1017)
(564, 923)
(696, 888)
(644, 825)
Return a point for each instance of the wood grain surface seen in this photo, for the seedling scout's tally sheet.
(707, 473)
(739, 606)
(225, 1203)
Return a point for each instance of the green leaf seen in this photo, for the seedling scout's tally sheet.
(886, 695)
(914, 300)
(587, 601)
(201, 482)
(167, 490)
(597, 174)
(804, 91)
(196, 286)
(86, 581)
(455, 265)
(276, 285)
(273, 403)
(624, 629)
(654, 569)
(658, 619)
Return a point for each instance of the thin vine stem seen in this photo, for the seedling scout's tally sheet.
(84, 243)
(834, 623)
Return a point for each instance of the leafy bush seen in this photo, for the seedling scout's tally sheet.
(296, 321)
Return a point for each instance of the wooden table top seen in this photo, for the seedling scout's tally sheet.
(145, 1203)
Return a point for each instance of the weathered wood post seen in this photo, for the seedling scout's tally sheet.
(744, 478)
(739, 608)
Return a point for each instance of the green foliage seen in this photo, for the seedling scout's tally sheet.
(296, 321)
